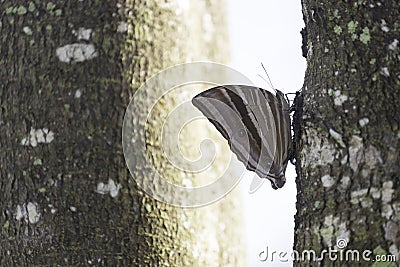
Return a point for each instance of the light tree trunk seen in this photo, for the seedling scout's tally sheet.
(349, 141)
(68, 70)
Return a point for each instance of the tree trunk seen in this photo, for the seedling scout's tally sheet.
(348, 144)
(68, 72)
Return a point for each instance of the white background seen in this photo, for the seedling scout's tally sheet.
(268, 31)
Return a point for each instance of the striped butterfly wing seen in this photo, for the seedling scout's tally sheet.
(256, 125)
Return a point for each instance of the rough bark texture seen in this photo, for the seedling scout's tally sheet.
(67, 72)
(348, 149)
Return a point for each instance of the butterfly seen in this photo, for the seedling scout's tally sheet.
(256, 124)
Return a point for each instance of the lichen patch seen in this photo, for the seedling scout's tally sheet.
(29, 212)
(76, 52)
(111, 188)
(37, 136)
(83, 33)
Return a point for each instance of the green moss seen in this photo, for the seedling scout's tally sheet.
(327, 232)
(50, 6)
(37, 162)
(372, 61)
(365, 37)
(6, 224)
(42, 190)
(58, 12)
(337, 29)
(31, 7)
(22, 10)
(49, 27)
(9, 10)
(352, 26)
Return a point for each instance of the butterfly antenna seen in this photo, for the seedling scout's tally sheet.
(262, 65)
(265, 80)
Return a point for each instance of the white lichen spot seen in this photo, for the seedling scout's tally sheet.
(33, 212)
(82, 34)
(392, 231)
(372, 156)
(122, 27)
(28, 212)
(111, 188)
(327, 181)
(102, 188)
(38, 136)
(366, 202)
(385, 72)
(337, 136)
(387, 192)
(318, 152)
(339, 98)
(344, 159)
(342, 231)
(355, 151)
(375, 193)
(358, 196)
(20, 212)
(345, 182)
(310, 49)
(365, 172)
(363, 122)
(27, 30)
(394, 44)
(76, 52)
(114, 188)
(328, 220)
(384, 26)
(387, 211)
(78, 93)
(72, 208)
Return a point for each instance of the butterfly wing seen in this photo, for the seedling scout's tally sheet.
(243, 115)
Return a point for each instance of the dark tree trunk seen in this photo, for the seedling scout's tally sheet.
(68, 70)
(348, 148)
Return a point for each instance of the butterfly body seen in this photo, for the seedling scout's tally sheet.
(256, 124)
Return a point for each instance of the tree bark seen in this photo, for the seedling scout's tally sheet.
(67, 198)
(348, 143)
